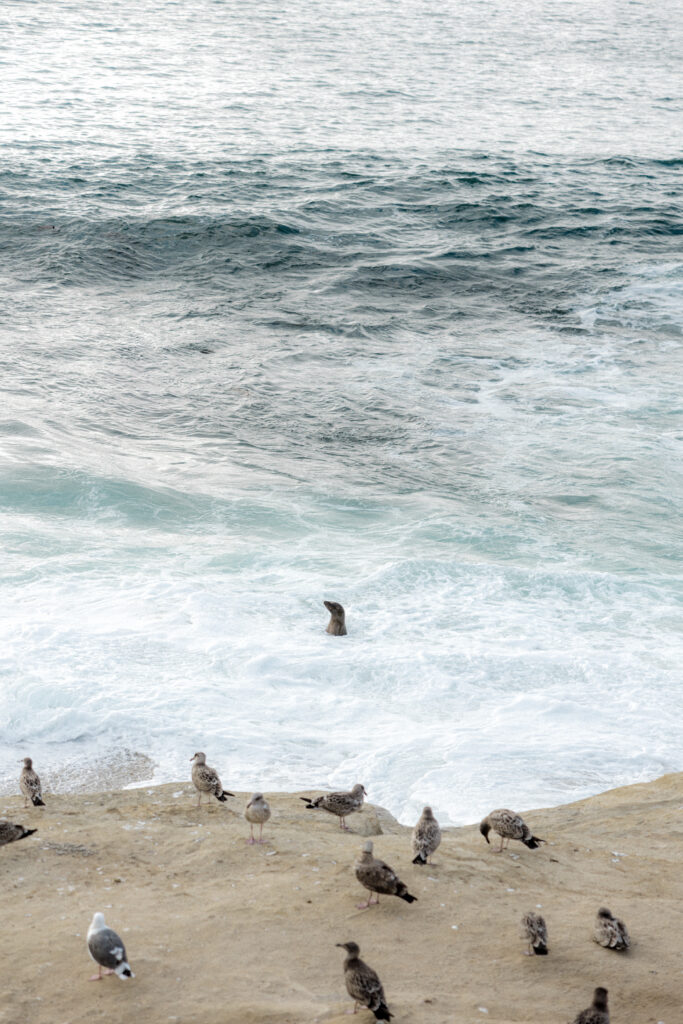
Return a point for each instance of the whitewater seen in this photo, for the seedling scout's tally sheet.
(381, 306)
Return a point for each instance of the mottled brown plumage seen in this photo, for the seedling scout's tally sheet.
(257, 812)
(206, 779)
(363, 984)
(29, 784)
(11, 833)
(597, 1013)
(509, 826)
(535, 932)
(426, 837)
(610, 931)
(378, 877)
(340, 804)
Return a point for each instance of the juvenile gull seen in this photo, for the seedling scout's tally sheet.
(340, 804)
(30, 786)
(597, 1013)
(257, 812)
(206, 779)
(107, 950)
(426, 837)
(362, 983)
(535, 932)
(378, 877)
(10, 833)
(610, 931)
(337, 624)
(509, 826)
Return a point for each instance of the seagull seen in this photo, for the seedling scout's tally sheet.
(11, 833)
(597, 1013)
(206, 779)
(509, 826)
(257, 812)
(378, 877)
(340, 804)
(30, 786)
(107, 950)
(426, 837)
(610, 931)
(362, 983)
(535, 932)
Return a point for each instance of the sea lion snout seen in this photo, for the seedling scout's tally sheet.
(337, 624)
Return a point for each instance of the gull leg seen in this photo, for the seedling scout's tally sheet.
(250, 842)
(500, 848)
(260, 834)
(96, 977)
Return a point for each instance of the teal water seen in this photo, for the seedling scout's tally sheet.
(382, 306)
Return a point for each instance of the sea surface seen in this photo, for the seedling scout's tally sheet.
(379, 303)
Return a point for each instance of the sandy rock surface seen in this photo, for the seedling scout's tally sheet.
(220, 932)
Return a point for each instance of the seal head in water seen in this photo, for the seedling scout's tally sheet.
(337, 624)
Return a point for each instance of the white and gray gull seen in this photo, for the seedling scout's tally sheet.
(597, 1013)
(509, 826)
(11, 833)
(363, 984)
(29, 784)
(376, 876)
(341, 804)
(206, 779)
(257, 812)
(610, 931)
(426, 837)
(535, 931)
(107, 950)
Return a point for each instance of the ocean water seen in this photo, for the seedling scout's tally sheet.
(375, 303)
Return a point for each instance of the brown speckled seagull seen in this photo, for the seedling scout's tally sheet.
(363, 984)
(257, 812)
(378, 877)
(10, 833)
(30, 786)
(610, 931)
(597, 1013)
(535, 932)
(426, 837)
(340, 804)
(206, 779)
(337, 624)
(509, 826)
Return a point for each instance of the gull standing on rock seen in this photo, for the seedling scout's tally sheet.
(363, 984)
(11, 833)
(337, 624)
(107, 950)
(30, 786)
(509, 826)
(257, 812)
(597, 1013)
(340, 804)
(610, 931)
(535, 932)
(426, 837)
(378, 877)
(206, 779)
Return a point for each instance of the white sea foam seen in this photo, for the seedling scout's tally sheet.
(466, 685)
